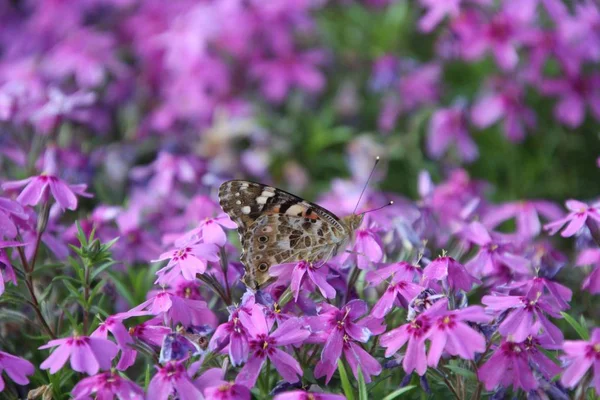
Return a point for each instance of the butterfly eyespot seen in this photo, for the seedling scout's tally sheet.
(267, 229)
(262, 247)
(263, 239)
(262, 267)
(257, 258)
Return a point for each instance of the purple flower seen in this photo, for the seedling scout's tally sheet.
(176, 308)
(302, 395)
(335, 326)
(506, 102)
(87, 354)
(186, 261)
(10, 209)
(316, 275)
(367, 248)
(579, 213)
(37, 188)
(508, 366)
(449, 126)
(588, 257)
(107, 385)
(211, 229)
(449, 332)
(401, 287)
(16, 368)
(227, 391)
(7, 273)
(580, 355)
(151, 331)
(526, 213)
(575, 91)
(170, 379)
(436, 12)
(166, 171)
(264, 345)
(448, 268)
(522, 312)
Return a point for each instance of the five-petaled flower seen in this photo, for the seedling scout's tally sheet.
(87, 354)
(580, 356)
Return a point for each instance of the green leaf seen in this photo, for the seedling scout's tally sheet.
(467, 373)
(98, 270)
(398, 392)
(346, 386)
(583, 333)
(362, 386)
(122, 288)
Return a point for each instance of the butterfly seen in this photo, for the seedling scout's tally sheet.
(277, 227)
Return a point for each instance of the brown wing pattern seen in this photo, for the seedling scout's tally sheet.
(276, 227)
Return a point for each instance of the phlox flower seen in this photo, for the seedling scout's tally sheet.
(401, 287)
(449, 332)
(87, 354)
(587, 257)
(213, 385)
(176, 308)
(170, 379)
(38, 187)
(16, 368)
(526, 214)
(508, 366)
(10, 209)
(302, 395)
(186, 261)
(7, 273)
(106, 385)
(151, 332)
(316, 274)
(366, 248)
(580, 356)
(576, 92)
(447, 268)
(337, 327)
(414, 333)
(166, 171)
(449, 126)
(211, 229)
(559, 294)
(577, 217)
(265, 345)
(523, 310)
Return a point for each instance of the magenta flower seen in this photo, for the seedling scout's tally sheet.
(151, 332)
(335, 326)
(302, 395)
(316, 274)
(576, 92)
(401, 288)
(176, 308)
(37, 188)
(234, 335)
(580, 355)
(213, 385)
(579, 213)
(508, 366)
(523, 310)
(7, 273)
(87, 354)
(186, 261)
(450, 333)
(367, 248)
(587, 257)
(449, 126)
(436, 12)
(526, 214)
(10, 209)
(264, 345)
(170, 379)
(16, 368)
(107, 385)
(506, 103)
(448, 268)
(415, 334)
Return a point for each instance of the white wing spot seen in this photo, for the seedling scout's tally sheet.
(237, 194)
(238, 202)
(266, 193)
(261, 200)
(246, 210)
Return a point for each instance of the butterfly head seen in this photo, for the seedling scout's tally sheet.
(353, 221)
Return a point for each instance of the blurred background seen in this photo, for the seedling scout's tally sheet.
(297, 93)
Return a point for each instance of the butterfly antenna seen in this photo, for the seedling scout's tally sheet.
(378, 208)
(366, 184)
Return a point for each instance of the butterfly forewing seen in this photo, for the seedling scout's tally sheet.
(277, 227)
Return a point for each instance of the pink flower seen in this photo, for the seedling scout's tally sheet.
(106, 385)
(448, 268)
(172, 377)
(401, 288)
(7, 273)
(151, 331)
(211, 229)
(316, 275)
(16, 368)
(176, 308)
(37, 188)
(522, 312)
(526, 213)
(579, 214)
(449, 126)
(87, 354)
(588, 257)
(436, 12)
(580, 356)
(449, 332)
(508, 366)
(264, 345)
(227, 391)
(187, 261)
(367, 248)
(302, 395)
(10, 209)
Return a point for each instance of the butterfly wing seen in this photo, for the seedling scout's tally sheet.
(277, 227)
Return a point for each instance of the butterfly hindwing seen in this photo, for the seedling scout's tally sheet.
(277, 227)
